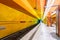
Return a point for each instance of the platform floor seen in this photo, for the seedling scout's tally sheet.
(43, 32)
(46, 33)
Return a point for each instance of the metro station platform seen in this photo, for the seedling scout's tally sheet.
(42, 33)
(27, 19)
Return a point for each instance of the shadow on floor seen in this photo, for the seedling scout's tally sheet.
(53, 34)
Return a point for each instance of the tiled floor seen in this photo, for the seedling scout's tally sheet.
(46, 33)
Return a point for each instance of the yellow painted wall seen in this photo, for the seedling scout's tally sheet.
(32, 3)
(10, 14)
(25, 4)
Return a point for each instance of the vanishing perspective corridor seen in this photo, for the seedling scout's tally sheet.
(29, 19)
